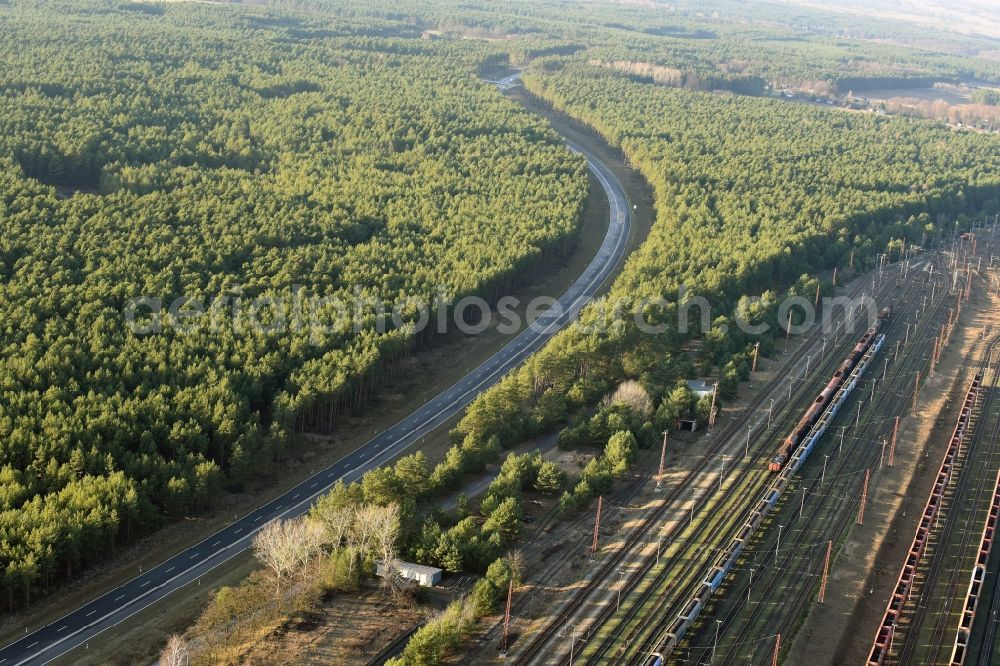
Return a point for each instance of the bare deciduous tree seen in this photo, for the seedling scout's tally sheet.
(362, 535)
(633, 395)
(381, 524)
(175, 653)
(285, 545)
(516, 561)
(336, 522)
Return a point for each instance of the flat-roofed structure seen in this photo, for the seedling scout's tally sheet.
(423, 575)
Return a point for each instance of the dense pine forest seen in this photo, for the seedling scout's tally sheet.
(191, 151)
(742, 46)
(755, 198)
(350, 150)
(763, 194)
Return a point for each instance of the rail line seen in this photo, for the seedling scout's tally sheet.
(718, 525)
(905, 583)
(969, 479)
(988, 641)
(827, 521)
(638, 536)
(855, 441)
(960, 649)
(684, 559)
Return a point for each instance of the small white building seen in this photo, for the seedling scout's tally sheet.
(423, 575)
(700, 388)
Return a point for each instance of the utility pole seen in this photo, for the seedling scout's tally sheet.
(621, 577)
(712, 410)
(777, 649)
(746, 454)
(826, 458)
(934, 353)
(892, 449)
(864, 499)
(663, 462)
(834, 276)
(788, 326)
(715, 643)
(506, 620)
(597, 527)
(916, 392)
(802, 502)
(826, 572)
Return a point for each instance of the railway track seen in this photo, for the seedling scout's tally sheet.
(639, 536)
(543, 557)
(752, 482)
(795, 576)
(656, 634)
(987, 644)
(955, 536)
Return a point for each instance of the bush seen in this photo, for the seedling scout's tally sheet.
(550, 479)
(620, 452)
(483, 596)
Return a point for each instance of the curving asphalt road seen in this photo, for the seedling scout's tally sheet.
(110, 609)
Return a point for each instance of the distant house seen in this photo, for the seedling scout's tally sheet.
(700, 388)
(423, 575)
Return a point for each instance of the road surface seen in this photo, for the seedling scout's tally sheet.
(110, 609)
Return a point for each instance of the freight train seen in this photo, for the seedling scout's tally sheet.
(822, 401)
(833, 396)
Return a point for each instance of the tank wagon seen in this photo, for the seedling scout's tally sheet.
(822, 401)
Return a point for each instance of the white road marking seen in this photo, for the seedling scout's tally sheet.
(169, 570)
(144, 584)
(91, 612)
(60, 628)
(120, 597)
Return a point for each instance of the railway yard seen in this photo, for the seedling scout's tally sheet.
(943, 606)
(719, 559)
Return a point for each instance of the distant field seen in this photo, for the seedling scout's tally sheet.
(967, 16)
(950, 95)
